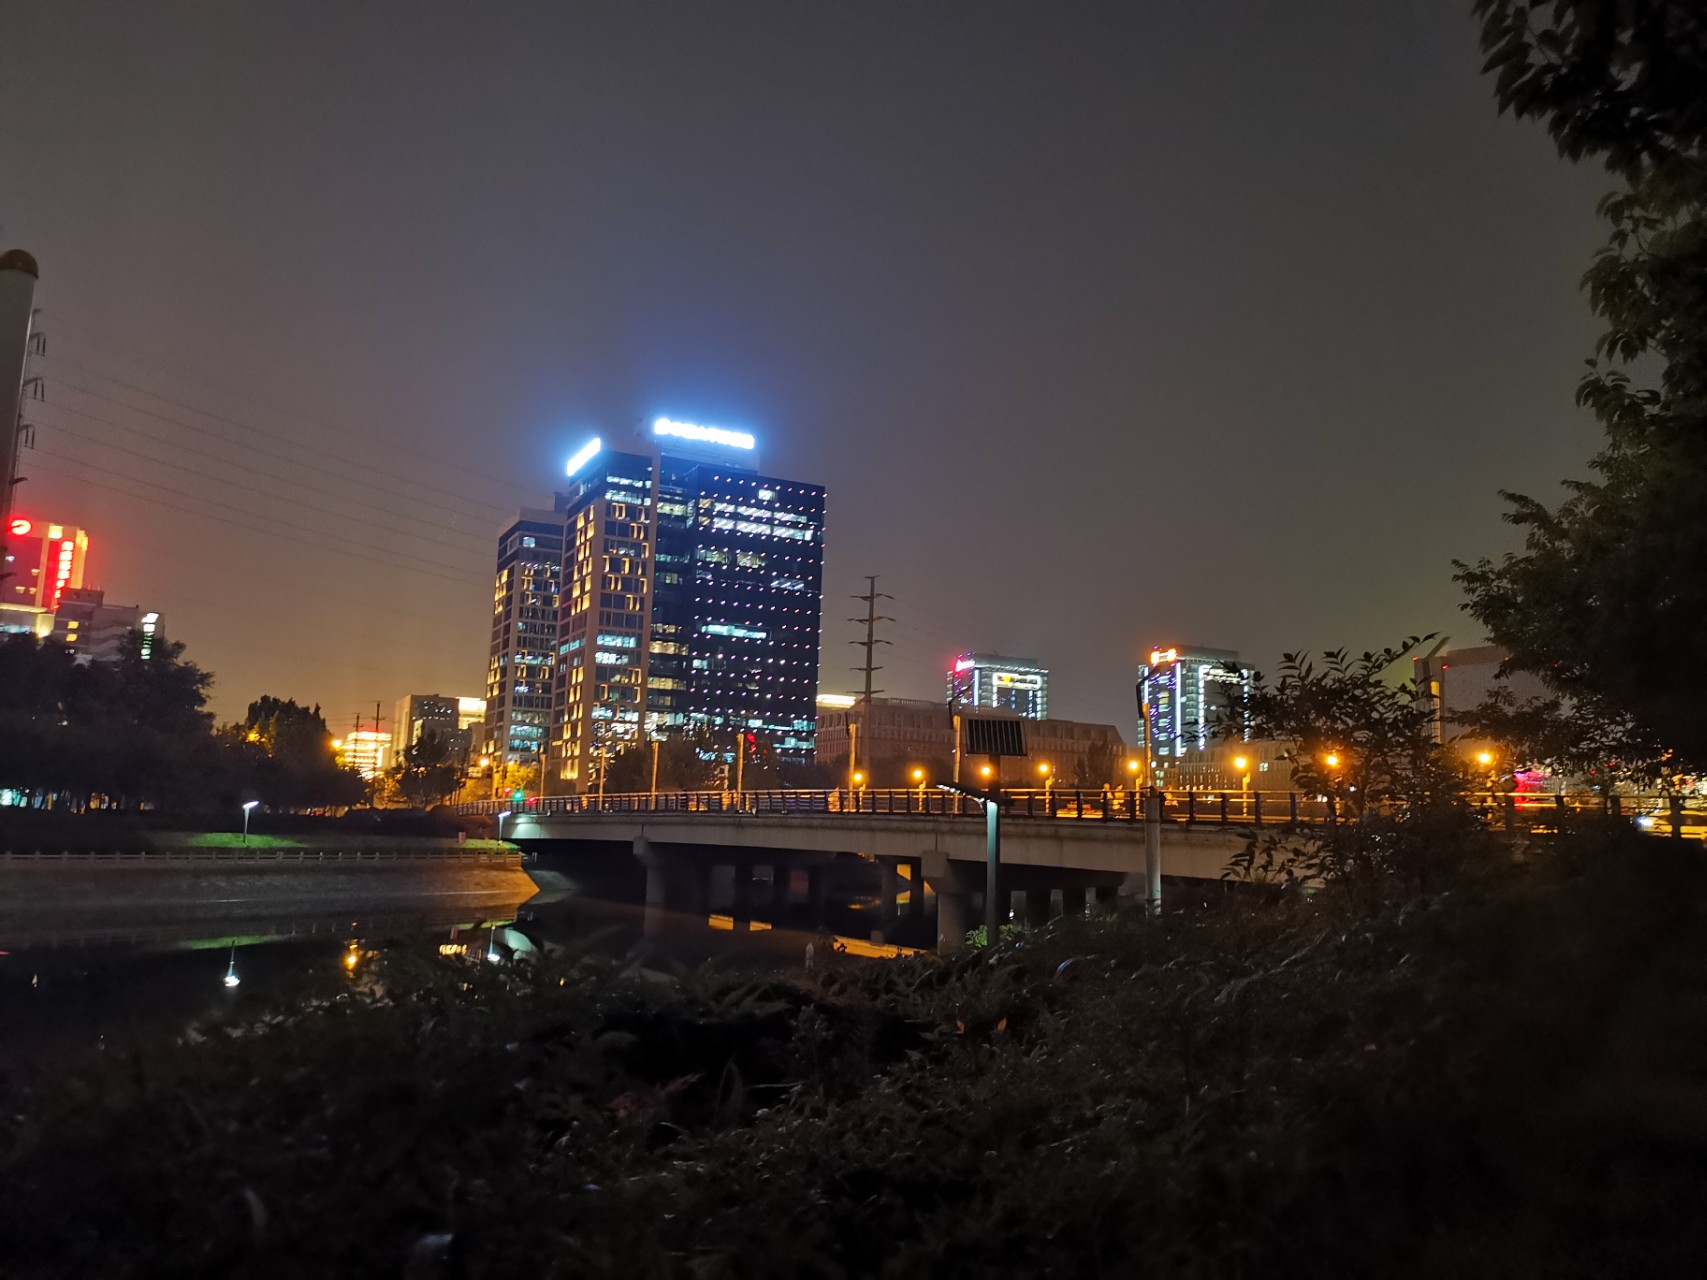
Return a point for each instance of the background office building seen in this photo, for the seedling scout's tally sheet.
(999, 683)
(456, 721)
(524, 637)
(96, 631)
(691, 599)
(1183, 695)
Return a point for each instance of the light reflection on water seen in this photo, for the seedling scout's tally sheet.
(77, 981)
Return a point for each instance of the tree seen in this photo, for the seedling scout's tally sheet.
(1607, 602)
(1351, 733)
(302, 769)
(1354, 734)
(428, 772)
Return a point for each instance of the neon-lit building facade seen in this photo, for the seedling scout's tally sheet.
(44, 560)
(691, 600)
(1184, 694)
(1019, 685)
(523, 654)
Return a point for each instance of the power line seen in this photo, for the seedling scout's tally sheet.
(491, 512)
(247, 523)
(228, 483)
(55, 407)
(178, 371)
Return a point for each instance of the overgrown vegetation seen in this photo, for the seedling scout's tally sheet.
(1500, 1079)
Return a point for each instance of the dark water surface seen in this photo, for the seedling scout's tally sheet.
(95, 961)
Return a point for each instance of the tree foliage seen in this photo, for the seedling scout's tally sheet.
(1351, 732)
(300, 769)
(1367, 741)
(1607, 602)
(125, 732)
(428, 773)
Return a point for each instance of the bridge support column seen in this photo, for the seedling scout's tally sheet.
(888, 887)
(741, 896)
(815, 895)
(917, 886)
(1038, 907)
(1073, 902)
(954, 888)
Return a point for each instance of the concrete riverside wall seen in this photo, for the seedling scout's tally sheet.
(49, 898)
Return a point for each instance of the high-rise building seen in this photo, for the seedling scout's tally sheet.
(43, 561)
(1184, 695)
(1000, 683)
(524, 638)
(690, 600)
(419, 714)
(96, 631)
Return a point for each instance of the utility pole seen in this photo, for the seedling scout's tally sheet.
(18, 273)
(869, 644)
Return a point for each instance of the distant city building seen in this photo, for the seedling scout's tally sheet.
(524, 638)
(899, 735)
(998, 683)
(422, 713)
(44, 560)
(96, 631)
(690, 600)
(1184, 695)
(365, 751)
(1461, 679)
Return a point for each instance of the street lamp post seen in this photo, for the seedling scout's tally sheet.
(248, 805)
(501, 817)
(1048, 788)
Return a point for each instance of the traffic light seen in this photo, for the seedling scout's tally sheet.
(518, 796)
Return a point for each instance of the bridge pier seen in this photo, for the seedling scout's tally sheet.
(1038, 907)
(741, 896)
(815, 895)
(954, 886)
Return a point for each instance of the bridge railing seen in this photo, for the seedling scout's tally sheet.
(1675, 815)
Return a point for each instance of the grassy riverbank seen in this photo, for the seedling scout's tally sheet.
(1506, 1077)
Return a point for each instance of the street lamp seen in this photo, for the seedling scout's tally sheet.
(247, 806)
(501, 817)
(1331, 760)
(919, 777)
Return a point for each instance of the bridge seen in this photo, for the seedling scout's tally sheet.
(1060, 848)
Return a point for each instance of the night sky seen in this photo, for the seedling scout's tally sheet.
(1105, 325)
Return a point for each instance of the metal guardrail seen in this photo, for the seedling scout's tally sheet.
(1528, 811)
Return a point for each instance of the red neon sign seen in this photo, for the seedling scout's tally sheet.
(20, 527)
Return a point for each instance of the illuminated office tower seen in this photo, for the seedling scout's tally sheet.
(1000, 683)
(1184, 695)
(690, 603)
(43, 562)
(524, 638)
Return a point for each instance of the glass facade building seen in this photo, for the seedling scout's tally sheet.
(524, 637)
(1000, 683)
(690, 604)
(1184, 695)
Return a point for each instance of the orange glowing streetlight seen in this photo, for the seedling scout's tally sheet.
(919, 781)
(1331, 760)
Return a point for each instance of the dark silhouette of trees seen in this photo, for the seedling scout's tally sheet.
(428, 772)
(298, 767)
(1607, 602)
(122, 733)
